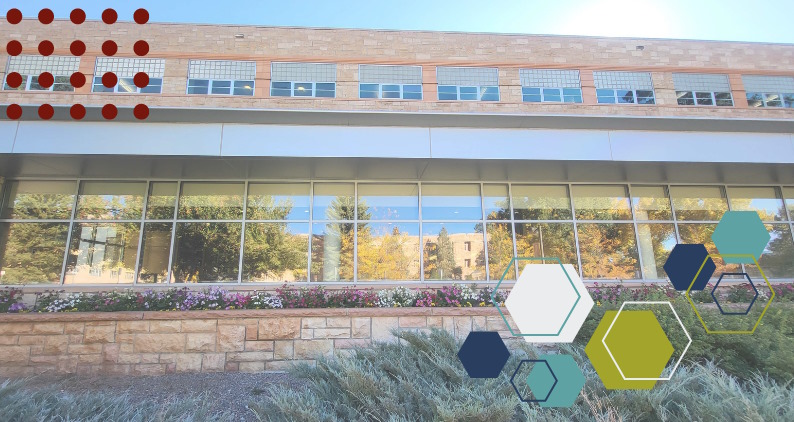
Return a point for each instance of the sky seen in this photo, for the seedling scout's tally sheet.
(733, 20)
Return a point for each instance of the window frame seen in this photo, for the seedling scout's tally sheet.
(561, 92)
(210, 85)
(28, 83)
(479, 88)
(380, 91)
(115, 89)
(696, 100)
(616, 97)
(292, 89)
(784, 103)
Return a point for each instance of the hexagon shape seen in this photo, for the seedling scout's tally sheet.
(683, 264)
(638, 345)
(719, 306)
(544, 380)
(483, 354)
(603, 364)
(548, 303)
(570, 381)
(740, 233)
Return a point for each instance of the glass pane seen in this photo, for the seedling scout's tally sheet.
(38, 199)
(98, 87)
(685, 98)
(704, 98)
(601, 202)
(645, 97)
(155, 86)
(197, 90)
(551, 240)
(788, 194)
(21, 86)
(724, 98)
(388, 202)
(497, 202)
(701, 233)
(388, 251)
(529, 98)
(448, 246)
(764, 200)
(605, 96)
(206, 252)
(198, 83)
(303, 90)
(469, 93)
(276, 252)
(332, 252)
(572, 95)
(755, 99)
(102, 253)
(530, 91)
(698, 203)
(551, 94)
(451, 202)
(773, 100)
(281, 85)
(368, 91)
(489, 93)
(62, 84)
(500, 251)
(788, 100)
(211, 201)
(609, 250)
(280, 92)
(334, 201)
(656, 242)
(35, 86)
(127, 85)
(447, 92)
(162, 200)
(625, 96)
(110, 200)
(651, 203)
(278, 201)
(243, 88)
(32, 253)
(541, 202)
(777, 260)
(155, 250)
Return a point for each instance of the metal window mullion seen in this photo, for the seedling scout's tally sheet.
(575, 230)
(69, 233)
(512, 221)
(484, 230)
(421, 236)
(242, 234)
(672, 210)
(636, 232)
(355, 232)
(138, 256)
(730, 208)
(311, 232)
(173, 232)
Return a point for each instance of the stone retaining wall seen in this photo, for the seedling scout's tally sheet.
(151, 343)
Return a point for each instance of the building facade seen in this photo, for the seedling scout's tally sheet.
(277, 155)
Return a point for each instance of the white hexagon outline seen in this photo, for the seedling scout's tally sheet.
(667, 378)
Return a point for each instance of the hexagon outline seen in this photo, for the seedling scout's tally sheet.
(510, 264)
(551, 371)
(752, 302)
(763, 312)
(680, 358)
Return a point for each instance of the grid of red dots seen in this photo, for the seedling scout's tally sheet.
(77, 79)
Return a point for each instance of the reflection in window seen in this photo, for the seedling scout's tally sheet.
(500, 250)
(32, 253)
(541, 202)
(496, 201)
(609, 250)
(336, 201)
(451, 202)
(552, 240)
(389, 201)
(278, 201)
(162, 200)
(701, 233)
(788, 194)
(443, 251)
(698, 203)
(651, 203)
(206, 252)
(777, 261)
(656, 242)
(211, 201)
(332, 252)
(601, 202)
(763, 200)
(102, 253)
(276, 252)
(388, 251)
(38, 200)
(110, 200)
(155, 252)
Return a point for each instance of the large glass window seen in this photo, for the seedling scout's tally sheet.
(451, 202)
(777, 261)
(332, 251)
(609, 250)
(211, 201)
(38, 200)
(111, 200)
(541, 202)
(162, 200)
(388, 251)
(625, 96)
(303, 89)
(155, 252)
(336, 201)
(278, 201)
(206, 252)
(389, 201)
(770, 99)
(601, 202)
(698, 203)
(449, 247)
(391, 91)
(554, 95)
(496, 202)
(656, 242)
(220, 87)
(763, 200)
(127, 86)
(651, 203)
(788, 194)
(500, 250)
(276, 252)
(722, 99)
(468, 93)
(102, 253)
(32, 253)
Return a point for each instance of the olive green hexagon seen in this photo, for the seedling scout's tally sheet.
(639, 346)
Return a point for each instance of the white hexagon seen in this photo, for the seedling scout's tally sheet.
(542, 300)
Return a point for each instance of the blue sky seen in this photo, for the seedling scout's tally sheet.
(740, 20)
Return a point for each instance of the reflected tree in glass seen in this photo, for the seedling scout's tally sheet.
(388, 251)
(609, 250)
(547, 240)
(206, 252)
(32, 252)
(102, 253)
(276, 251)
(439, 258)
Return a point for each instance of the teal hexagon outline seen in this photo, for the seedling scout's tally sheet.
(514, 259)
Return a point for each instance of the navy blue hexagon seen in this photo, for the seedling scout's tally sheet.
(483, 354)
(684, 263)
(540, 381)
(716, 300)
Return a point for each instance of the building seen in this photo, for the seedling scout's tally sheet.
(341, 156)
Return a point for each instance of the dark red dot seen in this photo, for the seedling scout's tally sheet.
(140, 111)
(14, 48)
(109, 16)
(77, 111)
(109, 111)
(46, 111)
(46, 16)
(14, 80)
(14, 111)
(141, 16)
(46, 80)
(141, 80)
(46, 48)
(109, 48)
(77, 16)
(77, 48)
(141, 48)
(14, 16)
(109, 80)
(77, 79)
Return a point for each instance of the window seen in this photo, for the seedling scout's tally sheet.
(309, 80)
(763, 200)
(30, 67)
(763, 99)
(698, 203)
(467, 83)
(127, 85)
(102, 253)
(126, 69)
(623, 87)
(624, 96)
(541, 202)
(467, 246)
(443, 247)
(537, 95)
(721, 99)
(398, 241)
(651, 203)
(468, 93)
(31, 83)
(380, 201)
(303, 89)
(703, 89)
(276, 252)
(220, 87)
(221, 77)
(451, 202)
(99, 200)
(390, 91)
(601, 202)
(769, 91)
(32, 252)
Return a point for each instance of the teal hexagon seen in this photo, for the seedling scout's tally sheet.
(570, 381)
(541, 381)
(740, 233)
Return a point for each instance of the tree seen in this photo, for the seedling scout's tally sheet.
(440, 258)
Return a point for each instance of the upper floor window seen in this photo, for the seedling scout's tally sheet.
(221, 77)
(31, 67)
(624, 87)
(390, 82)
(125, 70)
(303, 80)
(540, 85)
(468, 83)
(769, 91)
(702, 89)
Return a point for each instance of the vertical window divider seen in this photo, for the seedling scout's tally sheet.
(512, 222)
(140, 234)
(421, 236)
(575, 230)
(636, 231)
(484, 230)
(311, 231)
(730, 208)
(786, 210)
(672, 210)
(242, 233)
(355, 232)
(69, 233)
(173, 233)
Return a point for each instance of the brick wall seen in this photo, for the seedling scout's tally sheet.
(151, 343)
